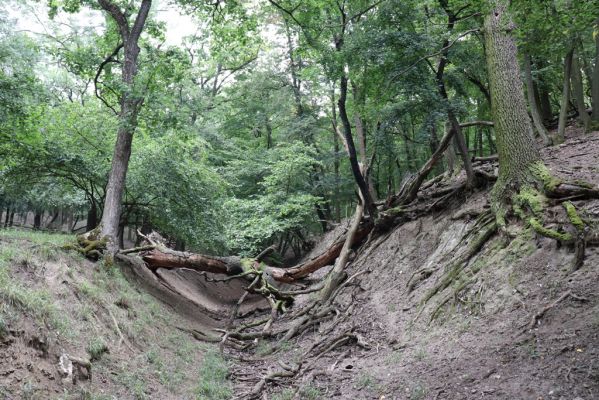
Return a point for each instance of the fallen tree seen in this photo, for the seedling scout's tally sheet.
(159, 256)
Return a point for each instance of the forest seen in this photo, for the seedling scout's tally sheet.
(353, 199)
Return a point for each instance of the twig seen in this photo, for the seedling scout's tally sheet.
(137, 249)
(535, 319)
(118, 330)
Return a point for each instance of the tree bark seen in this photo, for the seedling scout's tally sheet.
(6, 218)
(92, 217)
(351, 149)
(595, 81)
(517, 151)
(578, 94)
(130, 103)
(440, 79)
(565, 102)
(532, 101)
(37, 220)
(410, 189)
(336, 149)
(170, 259)
(337, 274)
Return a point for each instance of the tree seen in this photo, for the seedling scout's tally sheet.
(130, 102)
(523, 180)
(519, 159)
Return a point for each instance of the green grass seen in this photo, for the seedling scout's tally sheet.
(3, 326)
(285, 394)
(365, 381)
(418, 392)
(134, 381)
(213, 383)
(38, 302)
(37, 237)
(420, 354)
(310, 393)
(96, 348)
(394, 357)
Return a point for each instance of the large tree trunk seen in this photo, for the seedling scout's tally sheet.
(336, 149)
(37, 220)
(565, 103)
(6, 218)
(517, 151)
(130, 103)
(578, 94)
(532, 101)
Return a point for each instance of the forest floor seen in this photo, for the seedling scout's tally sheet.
(522, 327)
(482, 343)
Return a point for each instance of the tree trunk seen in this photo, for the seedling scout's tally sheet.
(37, 221)
(6, 218)
(578, 94)
(92, 217)
(337, 274)
(336, 149)
(565, 103)
(544, 98)
(130, 103)
(440, 79)
(595, 82)
(532, 101)
(517, 151)
(351, 149)
(450, 158)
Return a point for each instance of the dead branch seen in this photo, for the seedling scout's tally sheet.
(535, 319)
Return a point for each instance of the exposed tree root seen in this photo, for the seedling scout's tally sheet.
(486, 227)
(536, 318)
(90, 244)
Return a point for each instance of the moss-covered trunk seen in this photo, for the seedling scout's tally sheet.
(519, 157)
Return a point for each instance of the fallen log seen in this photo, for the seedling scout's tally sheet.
(162, 257)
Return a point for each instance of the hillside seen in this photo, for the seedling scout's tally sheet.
(73, 329)
(514, 323)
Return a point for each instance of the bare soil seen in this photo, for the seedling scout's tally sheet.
(523, 327)
(55, 304)
(482, 343)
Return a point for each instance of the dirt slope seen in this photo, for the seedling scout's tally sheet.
(57, 308)
(482, 342)
(476, 339)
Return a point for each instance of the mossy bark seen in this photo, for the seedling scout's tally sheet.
(520, 162)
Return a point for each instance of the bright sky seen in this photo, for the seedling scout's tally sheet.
(33, 17)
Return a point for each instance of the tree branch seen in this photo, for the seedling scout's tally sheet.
(108, 59)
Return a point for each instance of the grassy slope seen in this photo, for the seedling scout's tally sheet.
(50, 296)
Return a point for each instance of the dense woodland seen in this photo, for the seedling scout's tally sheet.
(334, 128)
(252, 131)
